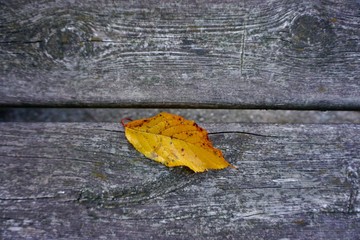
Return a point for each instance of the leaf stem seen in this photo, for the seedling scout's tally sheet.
(123, 121)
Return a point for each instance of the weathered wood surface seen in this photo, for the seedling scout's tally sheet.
(83, 180)
(243, 54)
(198, 115)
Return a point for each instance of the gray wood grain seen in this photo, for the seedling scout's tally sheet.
(198, 115)
(83, 180)
(240, 54)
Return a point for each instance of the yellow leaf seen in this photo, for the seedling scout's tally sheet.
(174, 141)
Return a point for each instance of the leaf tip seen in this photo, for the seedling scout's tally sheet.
(233, 166)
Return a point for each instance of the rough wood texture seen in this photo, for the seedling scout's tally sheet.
(198, 115)
(84, 180)
(258, 54)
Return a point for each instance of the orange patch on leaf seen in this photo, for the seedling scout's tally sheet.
(174, 141)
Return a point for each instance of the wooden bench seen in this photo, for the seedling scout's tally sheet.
(85, 181)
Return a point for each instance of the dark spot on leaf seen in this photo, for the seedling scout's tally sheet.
(182, 149)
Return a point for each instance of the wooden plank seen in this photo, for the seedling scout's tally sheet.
(198, 115)
(233, 54)
(83, 180)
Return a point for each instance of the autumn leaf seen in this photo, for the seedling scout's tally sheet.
(174, 141)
